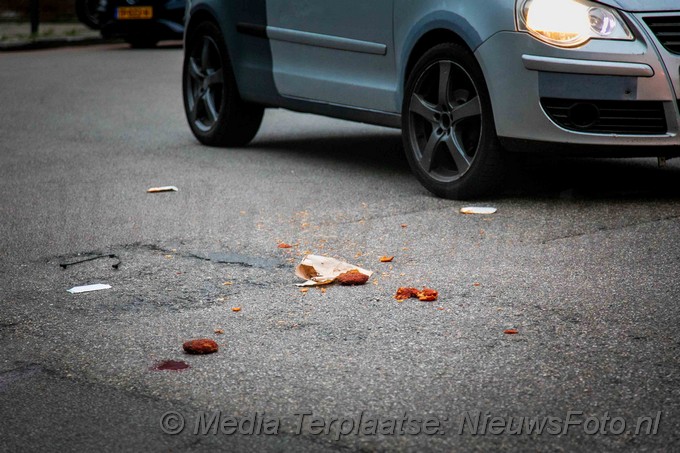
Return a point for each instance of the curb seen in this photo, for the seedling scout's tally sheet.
(52, 43)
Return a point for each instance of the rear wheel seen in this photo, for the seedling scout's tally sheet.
(448, 129)
(87, 13)
(216, 113)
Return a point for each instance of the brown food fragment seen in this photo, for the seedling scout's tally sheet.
(171, 365)
(283, 245)
(511, 332)
(427, 295)
(386, 259)
(219, 331)
(202, 346)
(351, 278)
(406, 293)
(403, 225)
(476, 284)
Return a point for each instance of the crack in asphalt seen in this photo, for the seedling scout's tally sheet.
(606, 229)
(232, 258)
(238, 260)
(381, 217)
(21, 373)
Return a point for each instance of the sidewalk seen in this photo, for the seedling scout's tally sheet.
(17, 35)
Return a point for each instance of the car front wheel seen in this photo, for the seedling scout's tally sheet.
(447, 124)
(216, 113)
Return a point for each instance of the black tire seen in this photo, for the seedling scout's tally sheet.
(142, 42)
(447, 126)
(216, 113)
(87, 13)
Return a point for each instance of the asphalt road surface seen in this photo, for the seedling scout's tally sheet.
(581, 258)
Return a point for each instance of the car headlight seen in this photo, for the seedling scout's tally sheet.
(569, 23)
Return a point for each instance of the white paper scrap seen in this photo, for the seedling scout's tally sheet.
(163, 189)
(477, 210)
(88, 288)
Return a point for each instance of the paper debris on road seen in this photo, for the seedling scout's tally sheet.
(321, 270)
(163, 189)
(478, 210)
(88, 288)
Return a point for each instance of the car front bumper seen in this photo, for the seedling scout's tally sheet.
(621, 93)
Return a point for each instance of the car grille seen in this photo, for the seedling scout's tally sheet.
(608, 117)
(667, 31)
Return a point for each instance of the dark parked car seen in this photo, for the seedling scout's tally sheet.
(142, 23)
(87, 13)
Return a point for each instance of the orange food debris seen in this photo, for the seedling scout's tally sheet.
(406, 293)
(424, 295)
(511, 332)
(227, 284)
(236, 309)
(304, 290)
(403, 225)
(283, 245)
(428, 295)
(476, 284)
(386, 259)
(351, 278)
(202, 346)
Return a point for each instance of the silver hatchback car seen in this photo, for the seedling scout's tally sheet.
(467, 81)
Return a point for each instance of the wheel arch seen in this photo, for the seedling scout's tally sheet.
(201, 13)
(436, 28)
(429, 40)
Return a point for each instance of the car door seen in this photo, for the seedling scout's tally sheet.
(334, 51)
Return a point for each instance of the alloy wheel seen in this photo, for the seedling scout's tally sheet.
(205, 83)
(445, 124)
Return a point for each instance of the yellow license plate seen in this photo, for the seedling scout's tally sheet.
(134, 12)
